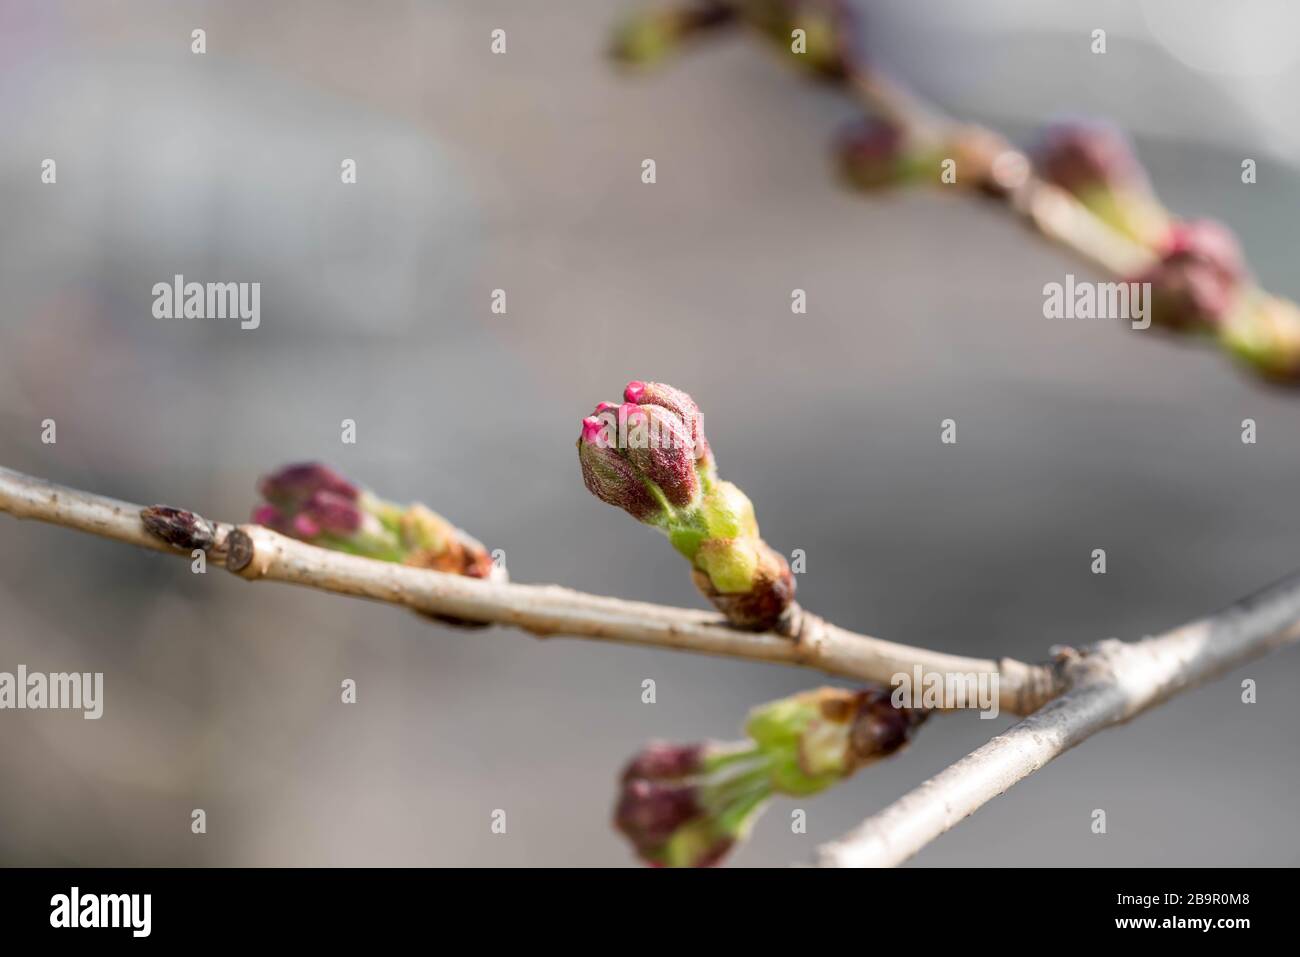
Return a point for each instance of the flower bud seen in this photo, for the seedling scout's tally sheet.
(1096, 164)
(179, 527)
(610, 477)
(649, 457)
(433, 542)
(872, 153)
(683, 407)
(747, 581)
(688, 805)
(664, 761)
(294, 484)
(660, 448)
(1081, 156)
(819, 737)
(313, 503)
(1199, 278)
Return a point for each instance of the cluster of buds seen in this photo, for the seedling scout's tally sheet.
(649, 457)
(314, 503)
(1199, 279)
(819, 35)
(688, 805)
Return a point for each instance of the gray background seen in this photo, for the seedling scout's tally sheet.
(522, 171)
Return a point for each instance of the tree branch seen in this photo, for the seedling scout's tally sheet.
(1108, 684)
(255, 552)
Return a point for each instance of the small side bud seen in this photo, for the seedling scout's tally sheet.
(1199, 278)
(664, 454)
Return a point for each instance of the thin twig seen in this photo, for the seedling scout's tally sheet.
(1108, 684)
(255, 552)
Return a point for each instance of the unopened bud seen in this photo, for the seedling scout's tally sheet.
(1199, 278)
(294, 484)
(687, 805)
(1095, 163)
(610, 477)
(649, 457)
(660, 448)
(873, 153)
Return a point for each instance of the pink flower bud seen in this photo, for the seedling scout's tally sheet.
(1083, 155)
(294, 484)
(660, 448)
(680, 404)
(664, 761)
(267, 515)
(304, 527)
(610, 477)
(1199, 278)
(333, 513)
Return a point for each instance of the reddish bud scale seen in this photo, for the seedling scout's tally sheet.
(880, 729)
(612, 479)
(660, 448)
(679, 404)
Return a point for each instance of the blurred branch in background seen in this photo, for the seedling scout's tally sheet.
(1083, 187)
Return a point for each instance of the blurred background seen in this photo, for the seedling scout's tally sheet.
(522, 172)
